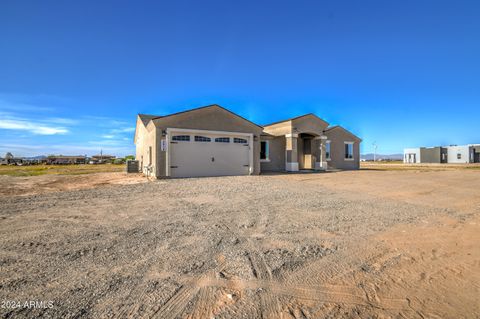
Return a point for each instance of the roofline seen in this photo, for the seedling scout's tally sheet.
(294, 118)
(143, 114)
(331, 128)
(204, 107)
(339, 126)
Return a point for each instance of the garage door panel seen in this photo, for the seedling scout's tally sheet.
(195, 159)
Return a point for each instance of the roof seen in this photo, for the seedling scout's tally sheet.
(146, 118)
(103, 155)
(294, 118)
(204, 107)
(331, 128)
(66, 156)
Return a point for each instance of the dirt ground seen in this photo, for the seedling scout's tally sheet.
(355, 244)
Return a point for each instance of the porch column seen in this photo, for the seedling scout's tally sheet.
(291, 155)
(321, 162)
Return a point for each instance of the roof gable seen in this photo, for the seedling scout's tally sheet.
(296, 118)
(202, 108)
(310, 116)
(338, 127)
(211, 117)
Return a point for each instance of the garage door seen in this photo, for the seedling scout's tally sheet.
(204, 153)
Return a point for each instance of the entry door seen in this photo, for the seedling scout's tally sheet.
(307, 154)
(204, 154)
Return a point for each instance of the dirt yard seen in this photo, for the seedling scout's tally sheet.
(357, 244)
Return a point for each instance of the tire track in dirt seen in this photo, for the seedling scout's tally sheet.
(204, 305)
(176, 305)
(270, 305)
(331, 294)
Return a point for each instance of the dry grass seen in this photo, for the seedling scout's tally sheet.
(36, 170)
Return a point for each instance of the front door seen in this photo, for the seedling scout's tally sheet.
(307, 154)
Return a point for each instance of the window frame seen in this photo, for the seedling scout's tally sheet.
(202, 139)
(181, 138)
(459, 156)
(267, 151)
(239, 140)
(345, 151)
(328, 154)
(222, 139)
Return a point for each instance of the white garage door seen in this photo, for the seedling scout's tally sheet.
(205, 153)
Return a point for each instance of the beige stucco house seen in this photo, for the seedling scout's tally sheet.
(213, 141)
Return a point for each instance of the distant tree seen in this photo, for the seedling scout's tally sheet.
(129, 157)
(8, 155)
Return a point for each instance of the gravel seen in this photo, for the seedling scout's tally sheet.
(129, 250)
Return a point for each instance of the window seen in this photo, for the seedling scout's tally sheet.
(349, 150)
(265, 151)
(149, 155)
(181, 138)
(222, 139)
(202, 139)
(327, 150)
(239, 140)
(459, 155)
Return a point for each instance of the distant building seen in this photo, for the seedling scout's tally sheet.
(11, 160)
(102, 158)
(443, 154)
(62, 159)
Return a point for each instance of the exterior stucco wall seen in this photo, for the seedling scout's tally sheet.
(309, 124)
(279, 129)
(337, 138)
(453, 152)
(430, 154)
(145, 140)
(212, 119)
(277, 155)
(408, 151)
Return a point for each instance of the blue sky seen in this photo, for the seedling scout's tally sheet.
(74, 74)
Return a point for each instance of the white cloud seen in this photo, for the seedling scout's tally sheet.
(32, 127)
(123, 130)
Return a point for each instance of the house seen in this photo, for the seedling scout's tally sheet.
(213, 141)
(65, 159)
(102, 158)
(11, 160)
(443, 154)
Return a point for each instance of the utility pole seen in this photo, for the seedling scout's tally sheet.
(374, 151)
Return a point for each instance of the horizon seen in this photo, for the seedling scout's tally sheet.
(396, 74)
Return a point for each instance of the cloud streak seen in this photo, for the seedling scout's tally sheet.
(32, 127)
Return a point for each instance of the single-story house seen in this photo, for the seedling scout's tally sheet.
(102, 158)
(213, 141)
(65, 159)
